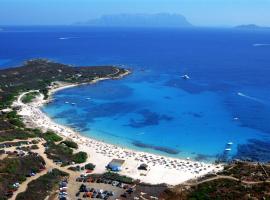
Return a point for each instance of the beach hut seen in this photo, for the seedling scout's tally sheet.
(116, 165)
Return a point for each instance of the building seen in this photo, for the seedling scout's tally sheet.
(116, 165)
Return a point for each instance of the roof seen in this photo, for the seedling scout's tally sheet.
(118, 162)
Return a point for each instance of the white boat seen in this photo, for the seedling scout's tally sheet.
(88, 98)
(73, 103)
(229, 143)
(228, 149)
(186, 77)
(66, 102)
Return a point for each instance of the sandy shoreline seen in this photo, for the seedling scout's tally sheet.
(161, 169)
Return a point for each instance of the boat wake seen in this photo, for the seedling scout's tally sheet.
(66, 38)
(250, 97)
(261, 45)
(141, 133)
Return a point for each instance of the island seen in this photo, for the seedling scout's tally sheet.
(252, 27)
(139, 20)
(40, 159)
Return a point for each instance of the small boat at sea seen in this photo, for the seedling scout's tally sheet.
(73, 103)
(88, 98)
(228, 149)
(229, 143)
(67, 102)
(186, 77)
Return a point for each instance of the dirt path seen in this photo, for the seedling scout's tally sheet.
(49, 165)
(23, 186)
(229, 178)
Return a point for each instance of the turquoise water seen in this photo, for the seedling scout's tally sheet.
(154, 109)
(126, 111)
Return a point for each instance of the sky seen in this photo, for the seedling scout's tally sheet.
(198, 12)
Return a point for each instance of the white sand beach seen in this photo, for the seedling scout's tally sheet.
(161, 169)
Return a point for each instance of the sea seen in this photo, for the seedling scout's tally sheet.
(219, 111)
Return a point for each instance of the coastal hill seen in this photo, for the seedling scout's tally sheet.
(138, 20)
(38, 74)
(251, 27)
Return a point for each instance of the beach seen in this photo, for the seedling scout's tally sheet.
(160, 169)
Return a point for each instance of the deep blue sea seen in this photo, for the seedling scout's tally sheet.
(226, 99)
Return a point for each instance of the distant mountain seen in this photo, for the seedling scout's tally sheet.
(251, 27)
(139, 20)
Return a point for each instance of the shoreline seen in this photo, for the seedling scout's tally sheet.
(161, 169)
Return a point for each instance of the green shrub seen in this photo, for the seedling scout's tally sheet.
(17, 122)
(34, 142)
(29, 97)
(117, 177)
(90, 166)
(70, 144)
(12, 166)
(12, 114)
(37, 132)
(21, 178)
(34, 146)
(42, 187)
(52, 137)
(80, 157)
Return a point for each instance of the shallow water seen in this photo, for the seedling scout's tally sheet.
(154, 109)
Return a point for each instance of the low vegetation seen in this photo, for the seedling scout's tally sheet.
(90, 166)
(12, 127)
(43, 186)
(247, 171)
(117, 177)
(239, 180)
(230, 189)
(79, 157)
(50, 136)
(70, 143)
(64, 154)
(16, 169)
(9, 135)
(29, 97)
